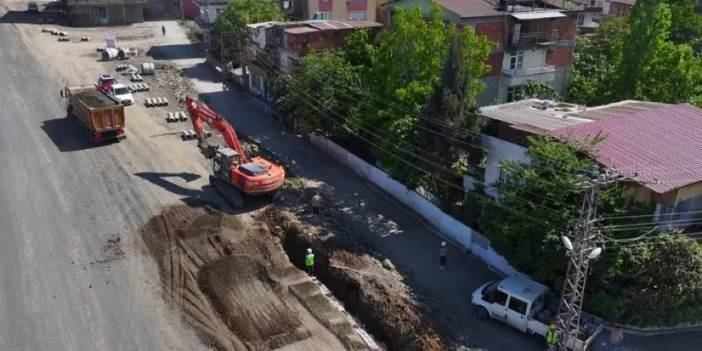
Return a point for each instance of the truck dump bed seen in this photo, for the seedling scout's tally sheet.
(101, 114)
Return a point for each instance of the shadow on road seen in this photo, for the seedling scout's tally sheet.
(200, 72)
(208, 195)
(175, 51)
(48, 17)
(67, 134)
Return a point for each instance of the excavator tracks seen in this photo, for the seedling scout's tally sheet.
(231, 194)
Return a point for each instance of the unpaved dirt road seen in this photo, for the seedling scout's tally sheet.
(63, 286)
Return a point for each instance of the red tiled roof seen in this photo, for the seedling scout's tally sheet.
(661, 148)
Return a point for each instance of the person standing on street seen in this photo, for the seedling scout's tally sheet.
(163, 30)
(443, 253)
(316, 203)
(552, 338)
(309, 262)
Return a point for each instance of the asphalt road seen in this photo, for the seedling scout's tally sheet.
(60, 201)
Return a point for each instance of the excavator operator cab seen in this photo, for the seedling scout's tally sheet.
(223, 160)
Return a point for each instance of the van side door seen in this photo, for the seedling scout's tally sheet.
(516, 313)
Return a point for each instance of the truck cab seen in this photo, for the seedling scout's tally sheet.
(105, 82)
(529, 307)
(121, 93)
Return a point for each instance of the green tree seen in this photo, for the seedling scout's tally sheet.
(405, 67)
(320, 94)
(657, 281)
(450, 119)
(229, 31)
(534, 89)
(593, 79)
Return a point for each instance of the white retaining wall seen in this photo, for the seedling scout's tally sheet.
(447, 225)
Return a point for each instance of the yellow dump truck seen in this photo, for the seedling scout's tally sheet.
(101, 114)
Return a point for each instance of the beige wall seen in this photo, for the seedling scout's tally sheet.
(339, 11)
(690, 191)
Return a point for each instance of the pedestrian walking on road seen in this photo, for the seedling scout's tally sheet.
(163, 30)
(316, 203)
(309, 262)
(552, 338)
(443, 253)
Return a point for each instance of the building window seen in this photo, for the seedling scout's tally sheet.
(322, 15)
(358, 16)
(581, 19)
(516, 60)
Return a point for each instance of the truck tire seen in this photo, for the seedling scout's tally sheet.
(481, 312)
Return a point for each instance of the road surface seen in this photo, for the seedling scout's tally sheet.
(61, 200)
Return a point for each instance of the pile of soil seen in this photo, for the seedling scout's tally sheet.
(377, 296)
(232, 281)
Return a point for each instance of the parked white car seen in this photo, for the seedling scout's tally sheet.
(121, 93)
(527, 306)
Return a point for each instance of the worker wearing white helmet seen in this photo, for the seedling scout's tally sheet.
(309, 261)
(443, 253)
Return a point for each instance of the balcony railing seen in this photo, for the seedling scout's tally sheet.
(528, 71)
(534, 38)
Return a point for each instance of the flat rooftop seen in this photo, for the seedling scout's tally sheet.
(537, 116)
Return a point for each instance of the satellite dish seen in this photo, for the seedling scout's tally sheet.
(567, 243)
(594, 253)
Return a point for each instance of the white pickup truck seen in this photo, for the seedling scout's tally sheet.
(527, 305)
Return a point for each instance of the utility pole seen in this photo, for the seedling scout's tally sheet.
(582, 248)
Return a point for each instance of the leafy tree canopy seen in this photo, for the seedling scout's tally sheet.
(229, 30)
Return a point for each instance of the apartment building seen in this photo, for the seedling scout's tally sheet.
(340, 10)
(274, 46)
(535, 40)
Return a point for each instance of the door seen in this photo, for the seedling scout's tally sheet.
(516, 313)
(498, 304)
(220, 167)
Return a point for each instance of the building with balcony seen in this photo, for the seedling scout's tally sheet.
(534, 40)
(340, 10)
(105, 12)
(276, 46)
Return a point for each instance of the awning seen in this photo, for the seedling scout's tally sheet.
(534, 15)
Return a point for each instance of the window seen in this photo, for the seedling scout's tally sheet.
(581, 19)
(517, 305)
(358, 16)
(516, 60)
(322, 15)
(513, 94)
(496, 297)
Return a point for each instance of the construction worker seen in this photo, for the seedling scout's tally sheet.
(163, 30)
(552, 338)
(309, 261)
(443, 253)
(316, 203)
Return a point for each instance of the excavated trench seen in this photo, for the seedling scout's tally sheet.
(376, 296)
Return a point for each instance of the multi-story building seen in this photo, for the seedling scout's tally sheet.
(275, 46)
(617, 7)
(341, 10)
(105, 12)
(535, 40)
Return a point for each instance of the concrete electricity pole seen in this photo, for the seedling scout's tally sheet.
(582, 248)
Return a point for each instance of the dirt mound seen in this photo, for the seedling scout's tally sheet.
(376, 295)
(232, 281)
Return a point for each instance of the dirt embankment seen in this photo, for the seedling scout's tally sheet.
(232, 281)
(372, 291)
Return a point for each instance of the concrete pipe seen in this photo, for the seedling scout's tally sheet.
(148, 68)
(109, 54)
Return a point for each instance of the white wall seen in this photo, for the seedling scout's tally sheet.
(497, 151)
(211, 12)
(447, 225)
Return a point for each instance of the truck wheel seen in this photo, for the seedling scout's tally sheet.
(481, 312)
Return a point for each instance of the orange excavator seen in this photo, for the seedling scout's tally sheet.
(234, 173)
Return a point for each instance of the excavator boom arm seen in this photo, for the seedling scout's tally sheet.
(200, 113)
